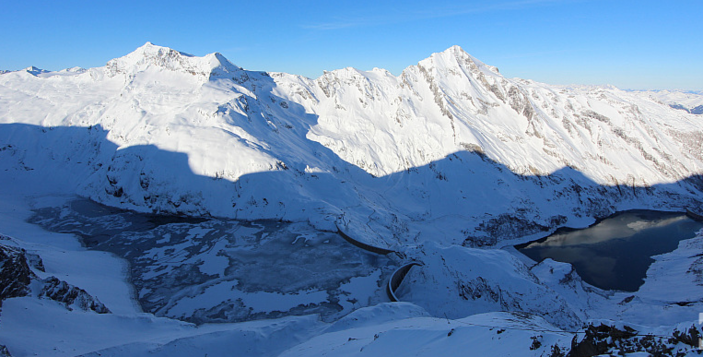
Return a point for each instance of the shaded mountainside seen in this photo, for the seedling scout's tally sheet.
(478, 201)
(450, 143)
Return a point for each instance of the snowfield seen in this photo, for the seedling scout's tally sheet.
(448, 165)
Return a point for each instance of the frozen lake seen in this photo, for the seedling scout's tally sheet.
(217, 270)
(616, 253)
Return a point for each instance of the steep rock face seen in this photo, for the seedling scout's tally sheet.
(15, 274)
(16, 277)
(532, 128)
(71, 296)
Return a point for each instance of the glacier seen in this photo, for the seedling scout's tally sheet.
(448, 164)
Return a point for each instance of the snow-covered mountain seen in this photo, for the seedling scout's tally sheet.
(446, 158)
(160, 130)
(690, 102)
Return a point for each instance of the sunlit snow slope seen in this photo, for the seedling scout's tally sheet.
(449, 151)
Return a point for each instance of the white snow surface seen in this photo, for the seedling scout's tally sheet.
(686, 99)
(160, 130)
(440, 164)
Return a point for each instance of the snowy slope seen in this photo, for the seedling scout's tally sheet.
(458, 102)
(690, 102)
(170, 132)
(440, 163)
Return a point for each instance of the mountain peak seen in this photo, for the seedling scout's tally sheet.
(153, 57)
(456, 56)
(459, 54)
(35, 71)
(453, 53)
(456, 51)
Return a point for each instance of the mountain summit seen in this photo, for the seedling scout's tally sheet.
(150, 56)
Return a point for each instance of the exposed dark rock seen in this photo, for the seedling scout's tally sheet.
(691, 337)
(536, 342)
(594, 115)
(4, 352)
(509, 226)
(478, 288)
(479, 241)
(15, 274)
(71, 296)
(35, 261)
(556, 351)
(603, 339)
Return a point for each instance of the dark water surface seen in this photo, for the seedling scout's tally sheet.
(616, 253)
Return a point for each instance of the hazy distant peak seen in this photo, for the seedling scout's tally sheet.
(76, 70)
(34, 70)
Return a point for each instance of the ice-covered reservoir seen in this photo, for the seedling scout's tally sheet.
(216, 270)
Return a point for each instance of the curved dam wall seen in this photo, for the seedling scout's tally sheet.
(397, 278)
(359, 244)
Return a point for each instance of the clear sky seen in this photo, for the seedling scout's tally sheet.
(646, 44)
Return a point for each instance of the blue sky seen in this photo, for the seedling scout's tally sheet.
(631, 44)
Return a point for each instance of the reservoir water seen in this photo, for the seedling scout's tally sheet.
(615, 253)
(206, 270)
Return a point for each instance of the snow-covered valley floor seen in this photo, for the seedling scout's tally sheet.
(34, 325)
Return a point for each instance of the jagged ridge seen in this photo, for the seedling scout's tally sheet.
(171, 132)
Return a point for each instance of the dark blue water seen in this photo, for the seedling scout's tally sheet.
(616, 253)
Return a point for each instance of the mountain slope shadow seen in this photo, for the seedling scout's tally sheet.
(465, 198)
(279, 173)
(476, 201)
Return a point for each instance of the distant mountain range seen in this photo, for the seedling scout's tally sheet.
(689, 101)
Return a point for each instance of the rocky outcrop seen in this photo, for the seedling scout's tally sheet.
(71, 296)
(4, 352)
(508, 225)
(16, 276)
(604, 339)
